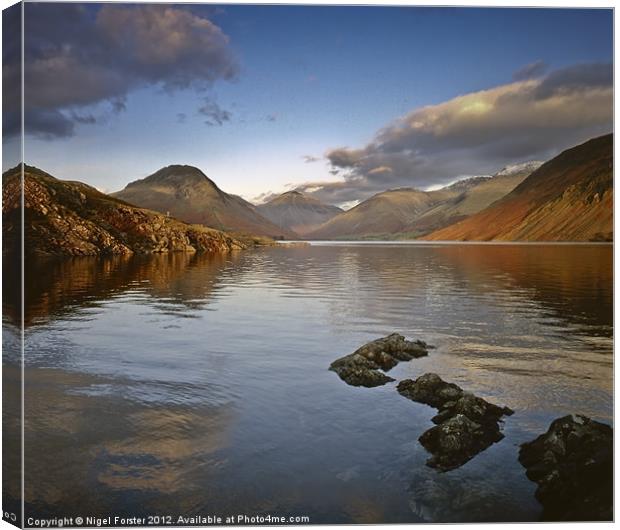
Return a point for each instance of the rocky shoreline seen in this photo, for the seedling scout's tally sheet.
(63, 218)
(572, 462)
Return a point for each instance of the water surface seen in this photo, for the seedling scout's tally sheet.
(197, 384)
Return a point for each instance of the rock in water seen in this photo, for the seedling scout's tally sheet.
(362, 367)
(466, 424)
(572, 463)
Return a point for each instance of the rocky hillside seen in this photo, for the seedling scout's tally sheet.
(71, 218)
(189, 195)
(569, 198)
(297, 212)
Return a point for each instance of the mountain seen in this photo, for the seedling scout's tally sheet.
(189, 195)
(476, 194)
(297, 212)
(72, 218)
(411, 213)
(569, 198)
(382, 215)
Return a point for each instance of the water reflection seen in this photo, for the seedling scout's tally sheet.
(57, 287)
(199, 383)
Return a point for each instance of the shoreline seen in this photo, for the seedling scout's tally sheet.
(405, 242)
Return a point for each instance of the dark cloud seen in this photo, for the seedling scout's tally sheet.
(119, 104)
(265, 197)
(578, 78)
(476, 133)
(344, 157)
(83, 118)
(309, 159)
(530, 71)
(78, 55)
(11, 70)
(48, 124)
(214, 113)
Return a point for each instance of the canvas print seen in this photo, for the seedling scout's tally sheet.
(306, 264)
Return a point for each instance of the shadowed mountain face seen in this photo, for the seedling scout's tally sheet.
(73, 219)
(298, 212)
(569, 198)
(411, 213)
(189, 195)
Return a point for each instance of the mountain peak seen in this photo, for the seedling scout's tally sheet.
(185, 192)
(175, 174)
(297, 211)
(466, 183)
(524, 167)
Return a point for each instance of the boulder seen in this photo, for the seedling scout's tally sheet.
(572, 463)
(457, 440)
(466, 424)
(362, 367)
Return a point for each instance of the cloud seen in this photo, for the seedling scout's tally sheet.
(309, 159)
(83, 118)
(476, 133)
(530, 71)
(214, 113)
(575, 80)
(381, 170)
(265, 197)
(78, 55)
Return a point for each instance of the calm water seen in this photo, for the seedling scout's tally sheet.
(199, 384)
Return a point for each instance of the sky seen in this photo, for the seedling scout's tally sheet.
(338, 102)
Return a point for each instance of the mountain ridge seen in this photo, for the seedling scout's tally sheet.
(403, 213)
(568, 198)
(188, 194)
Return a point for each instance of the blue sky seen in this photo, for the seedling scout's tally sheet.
(307, 81)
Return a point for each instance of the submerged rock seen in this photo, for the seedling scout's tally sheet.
(466, 424)
(362, 367)
(572, 463)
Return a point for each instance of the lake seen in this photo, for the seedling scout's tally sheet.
(199, 384)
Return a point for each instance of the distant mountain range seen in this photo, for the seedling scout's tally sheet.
(383, 215)
(410, 213)
(186, 193)
(298, 212)
(569, 198)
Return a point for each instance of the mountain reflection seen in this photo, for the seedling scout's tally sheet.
(55, 288)
(558, 277)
